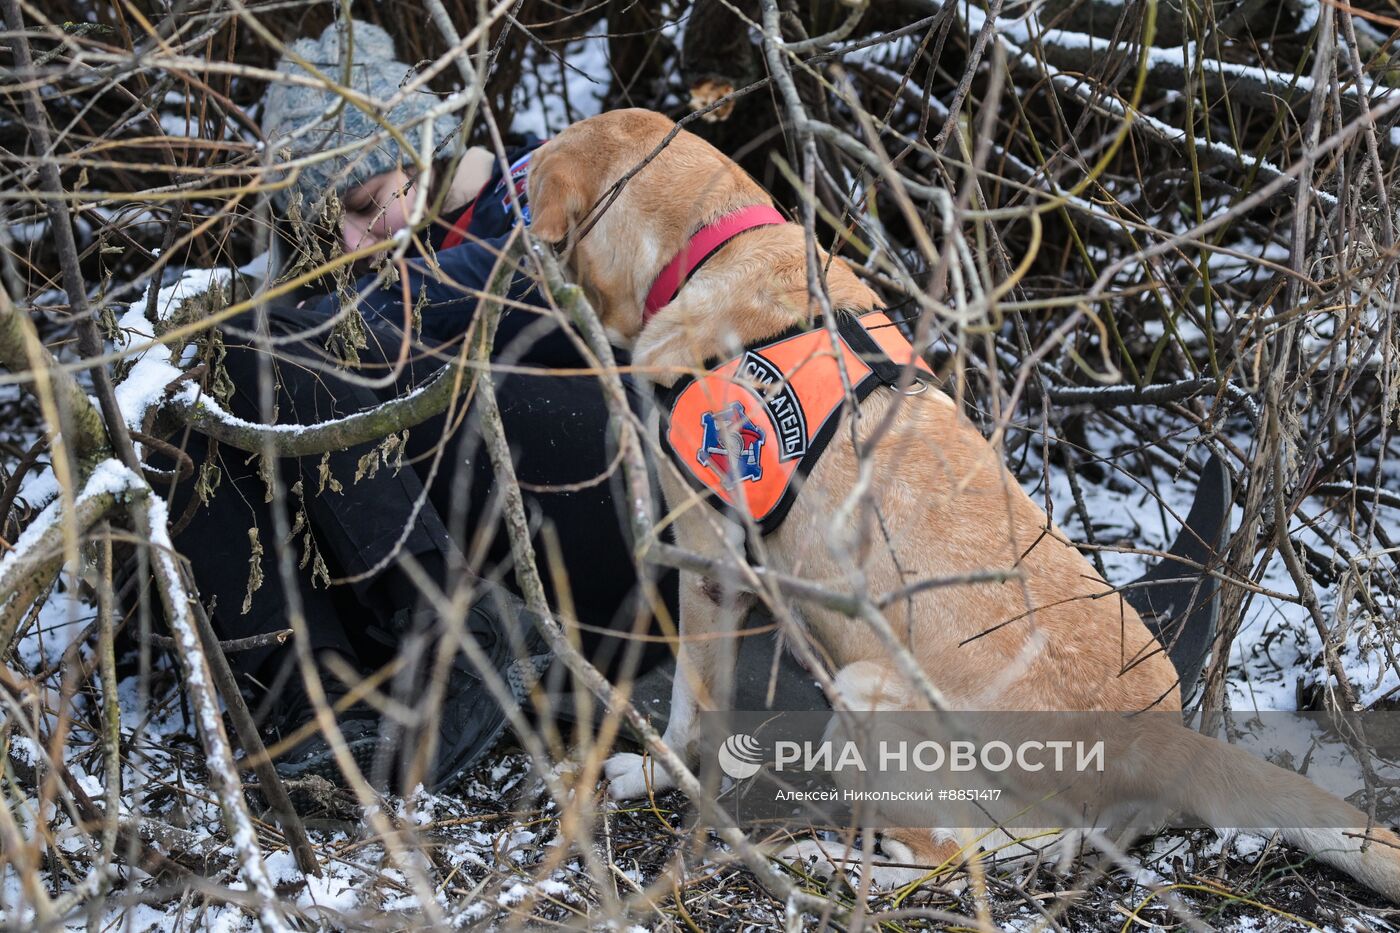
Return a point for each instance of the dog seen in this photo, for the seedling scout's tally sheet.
(945, 503)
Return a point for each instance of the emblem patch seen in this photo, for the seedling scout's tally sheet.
(726, 431)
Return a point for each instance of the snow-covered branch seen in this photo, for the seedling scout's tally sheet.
(28, 568)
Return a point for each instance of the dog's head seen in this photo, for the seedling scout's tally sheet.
(623, 195)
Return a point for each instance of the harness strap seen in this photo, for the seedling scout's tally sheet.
(701, 245)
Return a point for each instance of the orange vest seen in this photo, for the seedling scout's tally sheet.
(748, 431)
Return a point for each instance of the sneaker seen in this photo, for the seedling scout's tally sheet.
(469, 721)
(359, 727)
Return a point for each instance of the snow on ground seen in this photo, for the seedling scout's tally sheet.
(1278, 650)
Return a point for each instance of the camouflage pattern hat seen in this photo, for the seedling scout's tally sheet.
(374, 72)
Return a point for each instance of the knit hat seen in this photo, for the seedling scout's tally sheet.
(375, 73)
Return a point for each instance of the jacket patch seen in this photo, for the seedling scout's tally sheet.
(515, 184)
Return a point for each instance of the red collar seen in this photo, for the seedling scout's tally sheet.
(700, 247)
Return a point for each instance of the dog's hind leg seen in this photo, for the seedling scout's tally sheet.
(909, 855)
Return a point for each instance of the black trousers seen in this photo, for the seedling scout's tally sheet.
(558, 427)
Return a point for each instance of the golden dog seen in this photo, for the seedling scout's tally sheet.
(946, 505)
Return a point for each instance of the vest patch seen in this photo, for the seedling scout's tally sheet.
(782, 403)
(731, 433)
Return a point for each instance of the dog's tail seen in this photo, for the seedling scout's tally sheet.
(1178, 599)
(1227, 786)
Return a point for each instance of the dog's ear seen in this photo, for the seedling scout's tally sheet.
(557, 197)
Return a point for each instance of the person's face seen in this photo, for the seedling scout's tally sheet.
(376, 210)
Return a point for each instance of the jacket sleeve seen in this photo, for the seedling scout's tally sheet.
(447, 301)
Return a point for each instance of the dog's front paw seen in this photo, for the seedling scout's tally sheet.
(631, 776)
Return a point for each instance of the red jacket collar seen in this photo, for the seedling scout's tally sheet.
(700, 247)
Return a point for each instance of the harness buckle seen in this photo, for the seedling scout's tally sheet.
(917, 387)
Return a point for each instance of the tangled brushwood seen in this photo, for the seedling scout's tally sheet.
(1129, 234)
